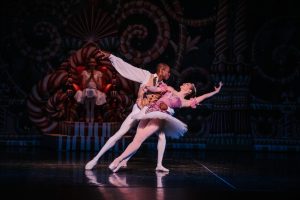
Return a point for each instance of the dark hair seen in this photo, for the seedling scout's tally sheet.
(193, 93)
(161, 66)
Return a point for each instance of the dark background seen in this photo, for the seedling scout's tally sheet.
(252, 46)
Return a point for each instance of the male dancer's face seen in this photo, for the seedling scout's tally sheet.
(164, 73)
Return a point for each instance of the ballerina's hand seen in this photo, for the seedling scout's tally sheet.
(217, 89)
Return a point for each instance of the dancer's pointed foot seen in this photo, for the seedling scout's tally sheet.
(161, 168)
(123, 164)
(115, 165)
(90, 165)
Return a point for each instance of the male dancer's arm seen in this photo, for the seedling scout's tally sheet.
(162, 88)
(128, 71)
(132, 73)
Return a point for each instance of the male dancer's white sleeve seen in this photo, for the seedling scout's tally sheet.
(132, 73)
(128, 71)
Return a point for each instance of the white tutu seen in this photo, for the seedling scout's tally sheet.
(172, 127)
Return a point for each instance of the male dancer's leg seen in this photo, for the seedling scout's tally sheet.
(161, 145)
(126, 125)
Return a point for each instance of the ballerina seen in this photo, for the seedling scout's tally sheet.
(155, 117)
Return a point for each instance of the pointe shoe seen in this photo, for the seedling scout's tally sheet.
(123, 164)
(117, 168)
(90, 165)
(161, 168)
(114, 166)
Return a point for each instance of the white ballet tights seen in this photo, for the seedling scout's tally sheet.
(126, 125)
(145, 129)
(161, 146)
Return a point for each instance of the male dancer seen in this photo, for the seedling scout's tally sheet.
(146, 79)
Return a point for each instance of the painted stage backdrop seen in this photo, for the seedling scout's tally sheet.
(253, 47)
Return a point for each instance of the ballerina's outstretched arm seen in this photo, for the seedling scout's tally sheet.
(195, 101)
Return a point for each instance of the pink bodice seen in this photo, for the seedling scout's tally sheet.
(170, 99)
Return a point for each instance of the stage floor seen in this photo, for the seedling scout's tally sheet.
(42, 174)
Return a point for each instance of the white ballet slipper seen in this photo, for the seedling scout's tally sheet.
(115, 166)
(90, 165)
(123, 164)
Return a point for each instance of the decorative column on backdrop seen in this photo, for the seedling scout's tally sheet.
(231, 108)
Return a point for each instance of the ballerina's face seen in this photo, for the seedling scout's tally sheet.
(186, 87)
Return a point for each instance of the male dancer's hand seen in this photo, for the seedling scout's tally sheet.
(102, 54)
